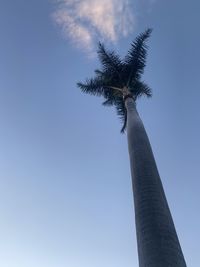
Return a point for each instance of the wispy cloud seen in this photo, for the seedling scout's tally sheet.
(85, 21)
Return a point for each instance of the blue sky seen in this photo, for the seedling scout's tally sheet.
(65, 186)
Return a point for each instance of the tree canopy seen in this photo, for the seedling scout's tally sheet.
(118, 77)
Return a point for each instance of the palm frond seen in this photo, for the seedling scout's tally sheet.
(139, 88)
(124, 122)
(145, 90)
(135, 61)
(92, 86)
(121, 112)
(111, 62)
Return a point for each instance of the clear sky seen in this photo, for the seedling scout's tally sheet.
(65, 186)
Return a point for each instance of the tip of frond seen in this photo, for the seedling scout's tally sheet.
(108, 102)
(148, 91)
(100, 44)
(149, 31)
(79, 84)
(123, 130)
(101, 47)
(144, 35)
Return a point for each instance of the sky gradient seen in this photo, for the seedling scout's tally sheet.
(65, 185)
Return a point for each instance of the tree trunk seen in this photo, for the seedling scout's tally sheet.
(158, 244)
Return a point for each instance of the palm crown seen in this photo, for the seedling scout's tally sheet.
(117, 78)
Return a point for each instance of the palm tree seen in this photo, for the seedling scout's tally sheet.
(119, 82)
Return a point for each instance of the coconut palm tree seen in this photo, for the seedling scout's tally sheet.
(119, 82)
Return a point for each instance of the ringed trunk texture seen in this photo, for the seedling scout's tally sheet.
(158, 244)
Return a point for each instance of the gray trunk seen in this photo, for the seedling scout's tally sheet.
(158, 244)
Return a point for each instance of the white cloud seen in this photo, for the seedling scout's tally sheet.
(85, 21)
